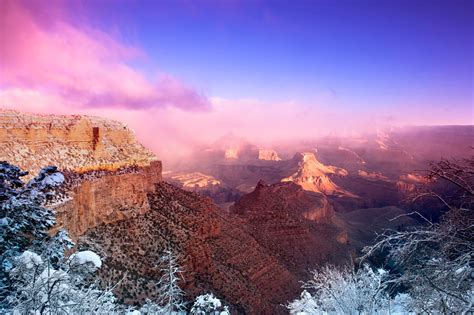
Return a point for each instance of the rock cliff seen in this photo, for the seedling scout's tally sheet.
(268, 155)
(75, 143)
(296, 224)
(97, 197)
(217, 251)
(312, 175)
(108, 172)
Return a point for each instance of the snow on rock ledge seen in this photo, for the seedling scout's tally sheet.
(86, 256)
(76, 143)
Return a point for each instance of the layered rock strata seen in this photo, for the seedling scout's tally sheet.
(217, 251)
(75, 143)
(296, 224)
(108, 172)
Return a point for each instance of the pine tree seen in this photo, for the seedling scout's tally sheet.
(23, 219)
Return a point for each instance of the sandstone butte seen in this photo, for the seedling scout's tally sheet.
(115, 202)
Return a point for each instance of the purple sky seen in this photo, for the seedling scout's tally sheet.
(268, 69)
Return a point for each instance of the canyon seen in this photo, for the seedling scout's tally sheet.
(115, 202)
(247, 222)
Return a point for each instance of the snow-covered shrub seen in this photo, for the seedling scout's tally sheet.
(86, 257)
(344, 291)
(151, 308)
(208, 304)
(38, 287)
(436, 260)
(22, 215)
(24, 221)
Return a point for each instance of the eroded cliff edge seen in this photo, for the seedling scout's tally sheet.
(108, 172)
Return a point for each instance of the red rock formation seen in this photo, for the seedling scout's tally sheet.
(312, 175)
(105, 197)
(75, 143)
(268, 155)
(294, 224)
(109, 172)
(217, 250)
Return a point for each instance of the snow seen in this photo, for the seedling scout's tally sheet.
(54, 179)
(208, 299)
(87, 256)
(209, 304)
(30, 259)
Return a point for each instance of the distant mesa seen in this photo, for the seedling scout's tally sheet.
(195, 180)
(372, 175)
(268, 155)
(312, 175)
(231, 154)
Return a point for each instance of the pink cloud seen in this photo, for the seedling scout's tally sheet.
(85, 66)
(50, 66)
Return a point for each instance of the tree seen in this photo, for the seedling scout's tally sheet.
(344, 291)
(436, 260)
(170, 294)
(23, 219)
(36, 277)
(40, 288)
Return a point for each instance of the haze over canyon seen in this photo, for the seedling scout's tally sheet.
(236, 157)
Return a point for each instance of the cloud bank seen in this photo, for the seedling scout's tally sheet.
(44, 55)
(50, 65)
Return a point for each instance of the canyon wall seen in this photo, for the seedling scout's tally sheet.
(97, 197)
(108, 172)
(76, 143)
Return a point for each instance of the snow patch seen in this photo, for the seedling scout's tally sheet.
(30, 259)
(87, 256)
(54, 179)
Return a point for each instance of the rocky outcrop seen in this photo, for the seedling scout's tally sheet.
(285, 197)
(205, 185)
(231, 154)
(108, 172)
(312, 175)
(294, 223)
(75, 143)
(217, 251)
(194, 180)
(97, 197)
(268, 155)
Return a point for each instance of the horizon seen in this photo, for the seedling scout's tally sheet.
(183, 73)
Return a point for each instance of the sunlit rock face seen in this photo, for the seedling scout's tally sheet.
(268, 155)
(231, 154)
(108, 172)
(193, 180)
(75, 143)
(312, 175)
(97, 197)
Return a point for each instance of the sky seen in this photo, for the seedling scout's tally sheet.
(181, 73)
